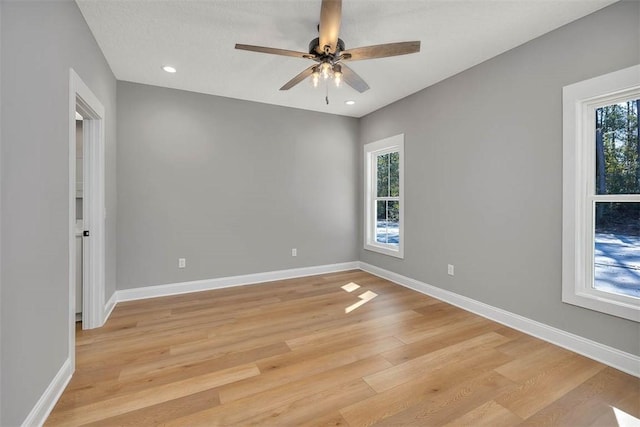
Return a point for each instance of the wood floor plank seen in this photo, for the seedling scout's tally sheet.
(441, 407)
(315, 406)
(539, 360)
(343, 340)
(157, 414)
(547, 386)
(151, 396)
(520, 344)
(423, 387)
(488, 414)
(282, 370)
(443, 337)
(331, 419)
(136, 343)
(237, 411)
(588, 401)
(226, 339)
(286, 353)
(409, 370)
(186, 365)
(511, 333)
(427, 328)
(331, 333)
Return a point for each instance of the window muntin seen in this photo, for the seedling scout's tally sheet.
(383, 194)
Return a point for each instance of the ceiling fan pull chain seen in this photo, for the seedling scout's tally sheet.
(326, 97)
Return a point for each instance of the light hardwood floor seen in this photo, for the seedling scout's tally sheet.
(286, 354)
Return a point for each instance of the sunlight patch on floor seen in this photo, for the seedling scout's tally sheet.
(364, 298)
(624, 419)
(350, 287)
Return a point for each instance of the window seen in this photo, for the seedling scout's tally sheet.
(601, 192)
(384, 171)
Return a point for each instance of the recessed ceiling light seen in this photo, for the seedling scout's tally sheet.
(350, 102)
(169, 69)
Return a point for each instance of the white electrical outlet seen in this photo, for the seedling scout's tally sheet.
(294, 252)
(450, 269)
(182, 262)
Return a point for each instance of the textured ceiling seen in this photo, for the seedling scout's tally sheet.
(198, 38)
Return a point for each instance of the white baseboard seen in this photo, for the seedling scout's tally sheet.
(615, 358)
(49, 398)
(226, 282)
(108, 307)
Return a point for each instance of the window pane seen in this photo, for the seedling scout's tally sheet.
(617, 248)
(387, 222)
(393, 214)
(394, 174)
(381, 222)
(383, 175)
(618, 149)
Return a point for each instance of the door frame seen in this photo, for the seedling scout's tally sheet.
(82, 99)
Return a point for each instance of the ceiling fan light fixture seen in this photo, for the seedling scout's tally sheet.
(337, 74)
(315, 77)
(326, 70)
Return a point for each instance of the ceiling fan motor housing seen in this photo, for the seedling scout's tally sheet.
(315, 43)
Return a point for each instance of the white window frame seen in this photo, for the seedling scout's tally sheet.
(371, 151)
(580, 100)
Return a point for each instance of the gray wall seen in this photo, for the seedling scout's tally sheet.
(40, 42)
(484, 173)
(229, 185)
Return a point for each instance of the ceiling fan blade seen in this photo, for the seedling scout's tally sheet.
(297, 79)
(352, 79)
(330, 17)
(274, 51)
(381, 51)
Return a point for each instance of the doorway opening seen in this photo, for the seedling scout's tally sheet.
(86, 209)
(79, 215)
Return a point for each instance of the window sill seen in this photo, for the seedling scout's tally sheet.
(396, 253)
(625, 307)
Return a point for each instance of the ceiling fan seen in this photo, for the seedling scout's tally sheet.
(328, 51)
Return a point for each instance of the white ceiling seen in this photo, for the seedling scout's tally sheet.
(198, 38)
